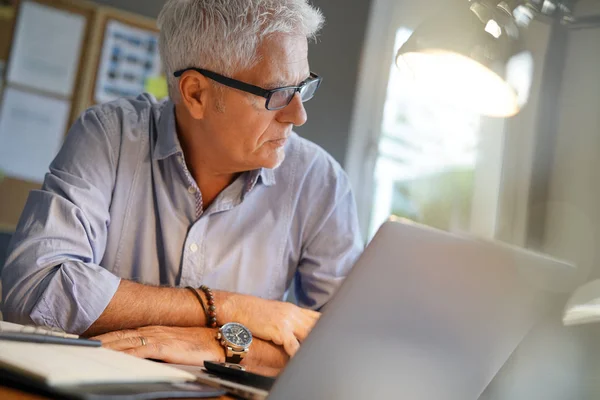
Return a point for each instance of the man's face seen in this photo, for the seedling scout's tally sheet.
(242, 131)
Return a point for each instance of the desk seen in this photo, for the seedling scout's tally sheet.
(8, 393)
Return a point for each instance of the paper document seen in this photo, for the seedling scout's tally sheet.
(129, 57)
(32, 128)
(60, 365)
(46, 48)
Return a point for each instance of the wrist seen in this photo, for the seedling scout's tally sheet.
(225, 303)
(208, 339)
(218, 350)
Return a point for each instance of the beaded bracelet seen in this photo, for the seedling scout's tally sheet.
(211, 311)
(211, 316)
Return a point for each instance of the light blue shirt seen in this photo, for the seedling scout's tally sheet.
(119, 202)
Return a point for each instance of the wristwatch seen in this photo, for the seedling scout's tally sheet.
(236, 339)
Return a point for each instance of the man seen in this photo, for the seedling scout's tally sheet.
(210, 188)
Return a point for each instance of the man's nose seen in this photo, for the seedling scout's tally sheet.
(294, 113)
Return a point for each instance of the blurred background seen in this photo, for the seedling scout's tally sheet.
(530, 178)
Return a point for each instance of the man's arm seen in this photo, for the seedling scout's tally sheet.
(332, 241)
(52, 274)
(190, 346)
(135, 305)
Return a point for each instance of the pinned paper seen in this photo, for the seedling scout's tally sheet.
(157, 86)
(129, 57)
(46, 49)
(7, 12)
(32, 128)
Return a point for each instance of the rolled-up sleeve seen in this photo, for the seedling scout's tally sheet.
(333, 241)
(52, 275)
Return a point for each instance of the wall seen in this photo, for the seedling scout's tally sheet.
(573, 214)
(148, 8)
(335, 57)
(521, 139)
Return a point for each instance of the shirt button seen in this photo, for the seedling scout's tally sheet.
(191, 190)
(193, 247)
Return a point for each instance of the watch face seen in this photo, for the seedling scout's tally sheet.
(237, 334)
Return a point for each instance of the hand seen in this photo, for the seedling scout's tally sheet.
(284, 324)
(176, 345)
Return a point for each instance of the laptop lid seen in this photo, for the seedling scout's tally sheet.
(424, 314)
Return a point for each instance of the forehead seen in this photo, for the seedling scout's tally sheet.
(283, 60)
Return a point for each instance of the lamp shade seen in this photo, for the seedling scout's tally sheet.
(470, 56)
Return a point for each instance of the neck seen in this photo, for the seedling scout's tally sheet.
(198, 157)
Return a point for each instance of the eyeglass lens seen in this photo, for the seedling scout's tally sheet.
(282, 98)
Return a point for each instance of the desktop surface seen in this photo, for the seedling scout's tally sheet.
(14, 392)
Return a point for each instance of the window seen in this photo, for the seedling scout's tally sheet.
(426, 157)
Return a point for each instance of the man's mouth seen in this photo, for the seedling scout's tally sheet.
(278, 142)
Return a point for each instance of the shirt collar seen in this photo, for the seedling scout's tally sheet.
(267, 176)
(167, 144)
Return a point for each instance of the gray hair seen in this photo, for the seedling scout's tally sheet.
(224, 35)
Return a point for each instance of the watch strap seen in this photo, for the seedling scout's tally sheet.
(234, 356)
(234, 359)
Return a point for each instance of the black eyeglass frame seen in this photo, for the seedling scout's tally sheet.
(252, 89)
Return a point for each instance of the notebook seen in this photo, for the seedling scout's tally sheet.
(60, 365)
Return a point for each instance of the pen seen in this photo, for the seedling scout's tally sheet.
(49, 339)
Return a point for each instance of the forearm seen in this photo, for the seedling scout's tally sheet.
(135, 305)
(69, 296)
(190, 346)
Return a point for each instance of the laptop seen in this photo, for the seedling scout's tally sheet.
(424, 314)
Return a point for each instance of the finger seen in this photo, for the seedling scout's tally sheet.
(116, 335)
(303, 324)
(151, 350)
(127, 343)
(271, 333)
(308, 319)
(291, 345)
(174, 353)
(311, 313)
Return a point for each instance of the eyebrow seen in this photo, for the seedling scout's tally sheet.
(275, 84)
(280, 83)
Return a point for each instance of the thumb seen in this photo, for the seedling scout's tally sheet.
(291, 345)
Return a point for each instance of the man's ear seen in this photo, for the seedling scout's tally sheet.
(194, 89)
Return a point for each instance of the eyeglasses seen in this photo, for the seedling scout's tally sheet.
(276, 98)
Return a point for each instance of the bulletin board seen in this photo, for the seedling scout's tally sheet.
(7, 18)
(107, 22)
(14, 190)
(98, 22)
